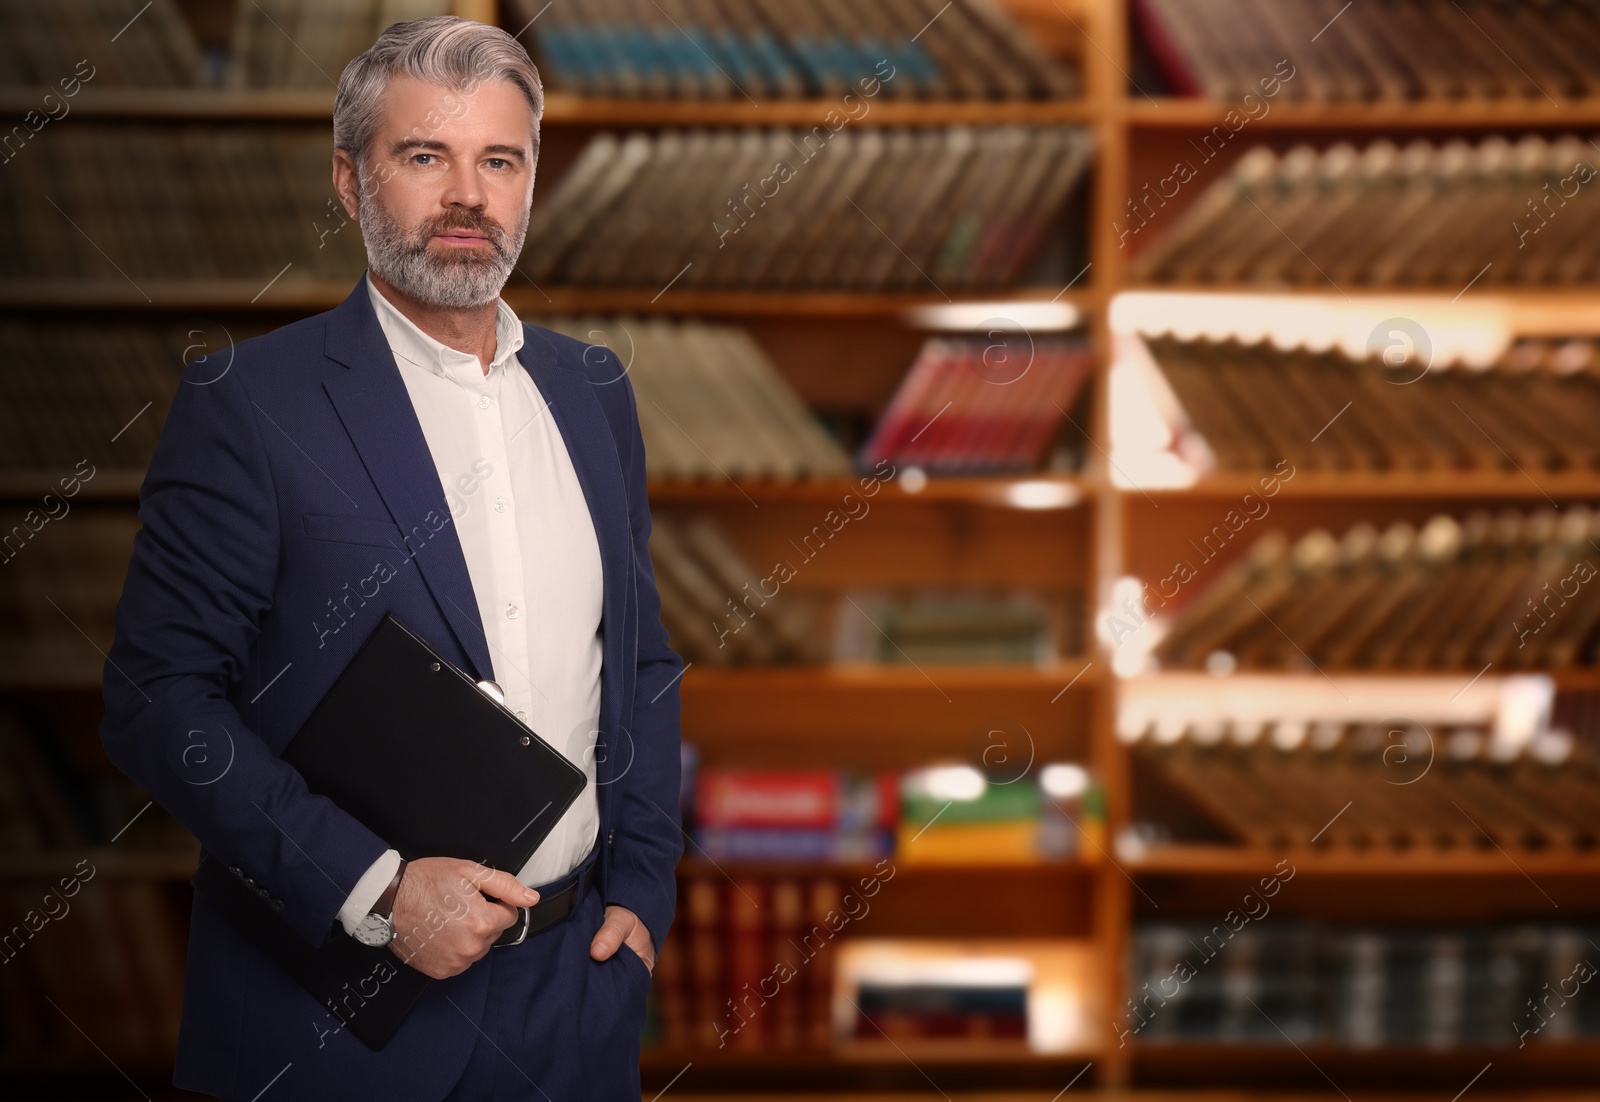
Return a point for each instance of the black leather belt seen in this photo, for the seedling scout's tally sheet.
(557, 900)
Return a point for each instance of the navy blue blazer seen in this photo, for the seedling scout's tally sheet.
(293, 501)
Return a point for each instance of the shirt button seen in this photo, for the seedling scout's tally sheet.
(512, 612)
(483, 403)
(500, 504)
(523, 716)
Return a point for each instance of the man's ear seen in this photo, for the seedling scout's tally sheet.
(346, 183)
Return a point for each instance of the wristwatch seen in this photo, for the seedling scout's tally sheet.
(377, 927)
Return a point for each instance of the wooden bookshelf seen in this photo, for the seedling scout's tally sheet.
(1239, 861)
(290, 294)
(1092, 529)
(1165, 112)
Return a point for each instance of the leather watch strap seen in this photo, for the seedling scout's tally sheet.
(385, 904)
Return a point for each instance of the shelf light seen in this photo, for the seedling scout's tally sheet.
(1041, 493)
(984, 317)
(947, 782)
(1064, 780)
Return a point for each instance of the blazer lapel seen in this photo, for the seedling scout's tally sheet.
(375, 408)
(573, 403)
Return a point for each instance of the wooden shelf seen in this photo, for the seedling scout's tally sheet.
(857, 1055)
(693, 864)
(1317, 485)
(183, 104)
(29, 487)
(567, 110)
(117, 864)
(561, 109)
(530, 301)
(712, 680)
(1179, 113)
(1201, 1063)
(1570, 679)
(1018, 491)
(304, 296)
(1231, 861)
(312, 296)
(1044, 490)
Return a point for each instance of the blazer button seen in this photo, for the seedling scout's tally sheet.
(277, 905)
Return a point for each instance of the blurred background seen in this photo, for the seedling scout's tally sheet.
(1124, 476)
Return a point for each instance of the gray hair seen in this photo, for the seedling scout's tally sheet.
(446, 50)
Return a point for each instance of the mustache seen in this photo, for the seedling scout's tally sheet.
(476, 221)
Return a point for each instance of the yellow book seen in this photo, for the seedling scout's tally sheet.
(1005, 843)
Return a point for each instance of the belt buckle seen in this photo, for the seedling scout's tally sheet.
(521, 934)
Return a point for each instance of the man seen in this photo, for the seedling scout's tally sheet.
(415, 450)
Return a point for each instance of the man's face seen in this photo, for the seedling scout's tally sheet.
(445, 175)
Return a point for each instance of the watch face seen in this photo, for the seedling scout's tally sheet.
(374, 930)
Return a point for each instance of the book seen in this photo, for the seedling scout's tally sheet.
(807, 798)
(1451, 594)
(958, 627)
(1445, 988)
(1416, 51)
(987, 405)
(715, 49)
(749, 967)
(1255, 405)
(711, 402)
(823, 208)
(1497, 213)
(60, 47)
(308, 43)
(1286, 784)
(202, 201)
(715, 607)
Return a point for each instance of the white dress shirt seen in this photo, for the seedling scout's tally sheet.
(531, 552)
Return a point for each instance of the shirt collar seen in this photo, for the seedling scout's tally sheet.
(409, 342)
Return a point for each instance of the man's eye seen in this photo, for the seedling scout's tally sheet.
(498, 162)
(422, 158)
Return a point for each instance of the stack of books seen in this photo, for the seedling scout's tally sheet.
(770, 49)
(47, 804)
(966, 407)
(719, 610)
(1430, 50)
(953, 814)
(207, 202)
(955, 627)
(307, 43)
(1496, 213)
(1514, 589)
(61, 571)
(114, 965)
(943, 1000)
(1258, 405)
(795, 815)
(750, 963)
(64, 46)
(1284, 982)
(87, 406)
(867, 209)
(711, 403)
(1444, 786)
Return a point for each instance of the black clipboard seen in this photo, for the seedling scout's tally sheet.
(430, 762)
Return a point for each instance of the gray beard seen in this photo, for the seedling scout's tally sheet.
(405, 259)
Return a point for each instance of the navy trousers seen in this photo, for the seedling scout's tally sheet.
(558, 1025)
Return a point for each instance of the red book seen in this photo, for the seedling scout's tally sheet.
(740, 797)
